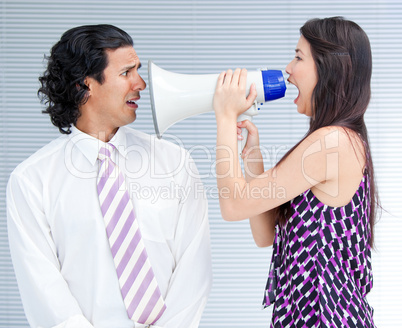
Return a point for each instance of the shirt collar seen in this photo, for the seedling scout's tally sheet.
(89, 146)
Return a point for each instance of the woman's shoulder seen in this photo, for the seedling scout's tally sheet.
(334, 131)
(344, 165)
(338, 137)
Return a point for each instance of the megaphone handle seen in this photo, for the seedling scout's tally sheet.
(244, 133)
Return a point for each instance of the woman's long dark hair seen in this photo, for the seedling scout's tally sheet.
(79, 53)
(342, 55)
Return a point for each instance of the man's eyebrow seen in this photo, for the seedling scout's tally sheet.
(127, 68)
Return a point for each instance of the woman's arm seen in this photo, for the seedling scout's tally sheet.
(304, 168)
(322, 162)
(262, 225)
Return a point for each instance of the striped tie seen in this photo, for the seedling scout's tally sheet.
(138, 285)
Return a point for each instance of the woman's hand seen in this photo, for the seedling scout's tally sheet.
(252, 148)
(230, 94)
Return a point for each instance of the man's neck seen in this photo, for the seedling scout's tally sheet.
(92, 129)
(101, 134)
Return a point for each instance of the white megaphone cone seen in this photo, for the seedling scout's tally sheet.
(175, 96)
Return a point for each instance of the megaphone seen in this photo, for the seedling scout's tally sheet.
(175, 96)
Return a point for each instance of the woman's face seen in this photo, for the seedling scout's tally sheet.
(303, 74)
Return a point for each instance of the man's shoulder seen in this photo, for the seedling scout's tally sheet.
(42, 155)
(171, 145)
(167, 157)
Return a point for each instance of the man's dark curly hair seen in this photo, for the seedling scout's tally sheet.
(80, 53)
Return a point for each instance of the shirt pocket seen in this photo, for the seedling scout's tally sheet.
(158, 221)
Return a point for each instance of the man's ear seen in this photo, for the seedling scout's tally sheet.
(89, 82)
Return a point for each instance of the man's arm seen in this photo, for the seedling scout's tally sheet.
(191, 280)
(45, 294)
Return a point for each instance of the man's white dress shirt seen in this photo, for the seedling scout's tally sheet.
(58, 243)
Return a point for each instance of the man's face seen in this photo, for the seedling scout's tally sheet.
(112, 104)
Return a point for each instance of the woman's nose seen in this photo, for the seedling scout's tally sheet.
(288, 69)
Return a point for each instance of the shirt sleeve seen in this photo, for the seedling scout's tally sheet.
(191, 279)
(45, 294)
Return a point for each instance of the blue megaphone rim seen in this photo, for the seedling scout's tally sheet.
(274, 84)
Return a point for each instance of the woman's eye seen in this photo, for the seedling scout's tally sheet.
(298, 58)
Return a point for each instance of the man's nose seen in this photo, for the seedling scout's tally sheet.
(138, 83)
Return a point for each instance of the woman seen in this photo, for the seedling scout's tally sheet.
(321, 226)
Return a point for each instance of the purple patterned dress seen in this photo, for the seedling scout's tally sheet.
(321, 264)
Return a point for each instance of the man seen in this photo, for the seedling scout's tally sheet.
(69, 271)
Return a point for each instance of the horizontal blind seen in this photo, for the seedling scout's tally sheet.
(207, 37)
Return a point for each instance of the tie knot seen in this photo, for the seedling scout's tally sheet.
(105, 151)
